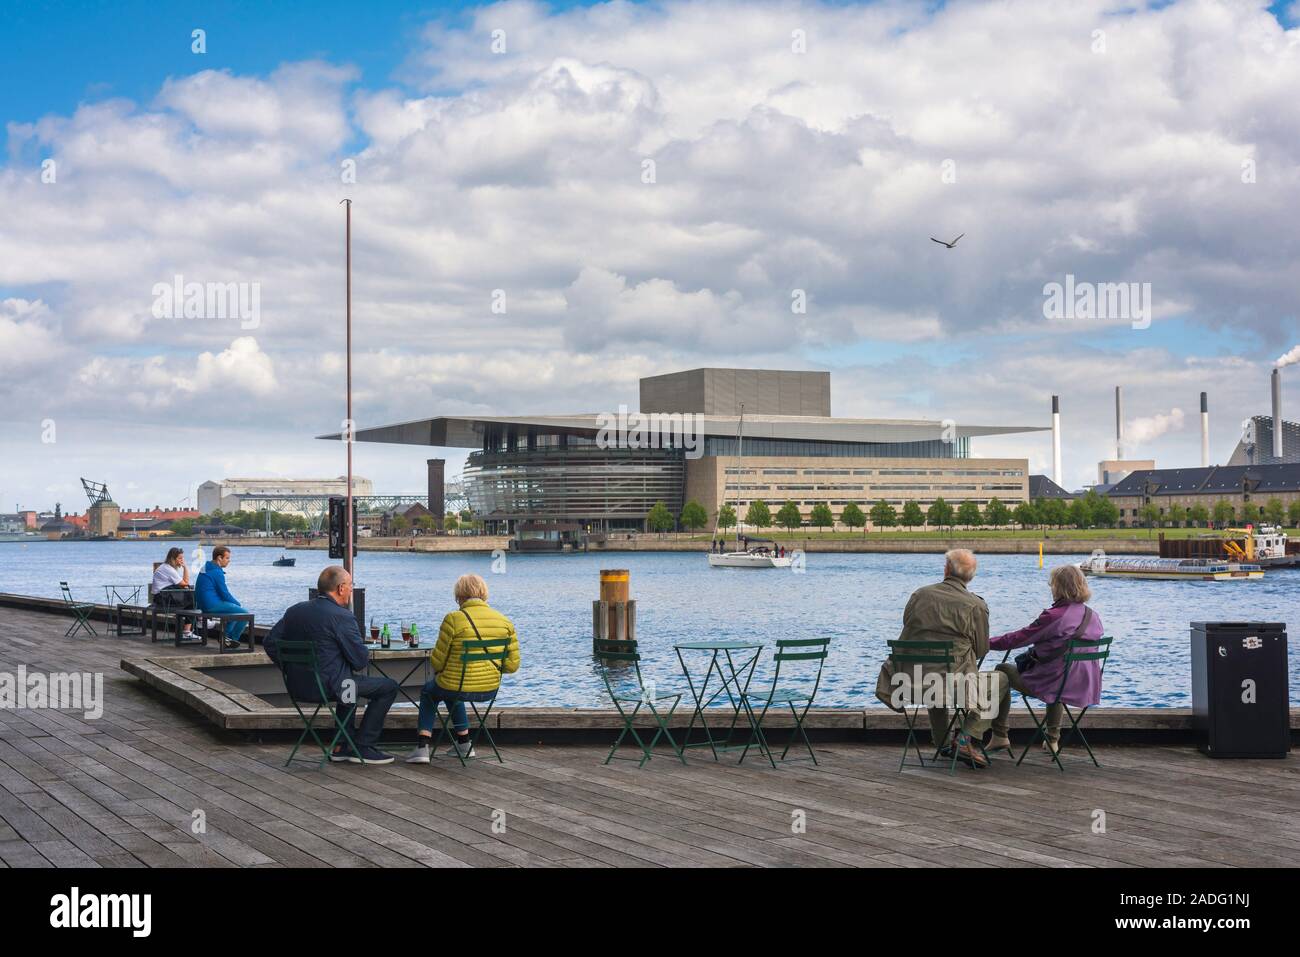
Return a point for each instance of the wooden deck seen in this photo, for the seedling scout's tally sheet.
(123, 791)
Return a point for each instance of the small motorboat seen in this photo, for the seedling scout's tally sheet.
(283, 562)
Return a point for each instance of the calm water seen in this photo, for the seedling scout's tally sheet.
(857, 600)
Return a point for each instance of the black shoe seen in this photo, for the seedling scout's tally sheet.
(345, 754)
(370, 755)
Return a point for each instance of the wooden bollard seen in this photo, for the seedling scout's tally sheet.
(613, 616)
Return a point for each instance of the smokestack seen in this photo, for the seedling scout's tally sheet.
(1119, 423)
(1057, 477)
(1205, 431)
(1277, 414)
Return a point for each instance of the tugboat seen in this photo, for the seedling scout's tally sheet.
(1262, 545)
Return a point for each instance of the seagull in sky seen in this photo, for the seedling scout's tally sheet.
(942, 243)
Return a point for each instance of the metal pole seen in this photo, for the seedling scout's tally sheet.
(347, 514)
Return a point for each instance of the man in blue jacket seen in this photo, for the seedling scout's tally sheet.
(329, 624)
(211, 594)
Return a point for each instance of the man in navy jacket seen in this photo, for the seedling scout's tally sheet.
(329, 624)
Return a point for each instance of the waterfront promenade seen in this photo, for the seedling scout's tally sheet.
(127, 789)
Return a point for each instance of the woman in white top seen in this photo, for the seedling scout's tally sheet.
(172, 573)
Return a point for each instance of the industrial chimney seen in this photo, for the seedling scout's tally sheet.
(1057, 477)
(1277, 414)
(1205, 431)
(1119, 423)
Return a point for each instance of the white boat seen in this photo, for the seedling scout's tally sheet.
(749, 556)
(1170, 569)
(754, 558)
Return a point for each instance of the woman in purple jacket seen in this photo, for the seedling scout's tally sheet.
(1050, 634)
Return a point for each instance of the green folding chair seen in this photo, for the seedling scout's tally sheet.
(303, 654)
(494, 651)
(812, 649)
(614, 657)
(1078, 649)
(907, 655)
(81, 612)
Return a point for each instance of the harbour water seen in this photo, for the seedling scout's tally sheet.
(855, 599)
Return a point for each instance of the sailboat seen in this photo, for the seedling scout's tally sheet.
(746, 555)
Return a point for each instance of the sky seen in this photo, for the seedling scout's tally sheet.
(551, 201)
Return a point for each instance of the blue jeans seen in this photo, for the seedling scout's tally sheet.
(432, 693)
(235, 628)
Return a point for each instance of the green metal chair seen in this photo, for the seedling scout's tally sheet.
(475, 649)
(1078, 649)
(907, 655)
(813, 649)
(303, 653)
(81, 611)
(613, 655)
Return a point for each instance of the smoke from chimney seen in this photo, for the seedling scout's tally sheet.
(1287, 358)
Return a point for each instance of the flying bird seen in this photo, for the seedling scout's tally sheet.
(942, 243)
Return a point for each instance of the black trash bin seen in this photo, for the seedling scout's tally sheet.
(1240, 692)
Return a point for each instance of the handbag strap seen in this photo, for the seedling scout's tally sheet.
(1083, 626)
(478, 636)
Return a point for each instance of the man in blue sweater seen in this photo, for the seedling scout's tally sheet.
(329, 624)
(211, 593)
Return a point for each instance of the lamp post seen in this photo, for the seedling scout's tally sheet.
(347, 514)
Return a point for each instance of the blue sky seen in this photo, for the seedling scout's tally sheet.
(522, 172)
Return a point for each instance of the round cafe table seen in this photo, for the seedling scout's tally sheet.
(379, 654)
(733, 662)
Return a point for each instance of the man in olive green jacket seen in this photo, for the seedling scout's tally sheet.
(947, 611)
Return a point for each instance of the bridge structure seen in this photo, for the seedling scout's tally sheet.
(315, 507)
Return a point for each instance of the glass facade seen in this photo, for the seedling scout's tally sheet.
(931, 449)
(602, 488)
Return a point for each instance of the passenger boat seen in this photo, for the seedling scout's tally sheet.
(1170, 569)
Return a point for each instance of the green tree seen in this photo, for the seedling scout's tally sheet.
(1198, 515)
(968, 514)
(1150, 515)
(1177, 515)
(821, 516)
(183, 527)
(1053, 512)
(1293, 513)
(852, 517)
(996, 514)
(1105, 512)
(726, 517)
(1250, 513)
(1275, 511)
(912, 515)
(788, 516)
(758, 514)
(939, 514)
(1025, 515)
(883, 515)
(694, 516)
(1224, 513)
(426, 523)
(659, 519)
(450, 521)
(398, 524)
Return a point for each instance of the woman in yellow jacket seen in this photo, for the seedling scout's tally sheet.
(455, 682)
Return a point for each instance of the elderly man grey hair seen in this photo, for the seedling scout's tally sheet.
(959, 563)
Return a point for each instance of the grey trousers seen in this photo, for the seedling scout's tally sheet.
(1055, 712)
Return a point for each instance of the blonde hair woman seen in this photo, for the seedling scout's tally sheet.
(1038, 673)
(456, 682)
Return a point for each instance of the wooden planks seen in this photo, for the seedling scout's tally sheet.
(129, 789)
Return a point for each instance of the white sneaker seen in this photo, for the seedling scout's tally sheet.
(465, 750)
(420, 755)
